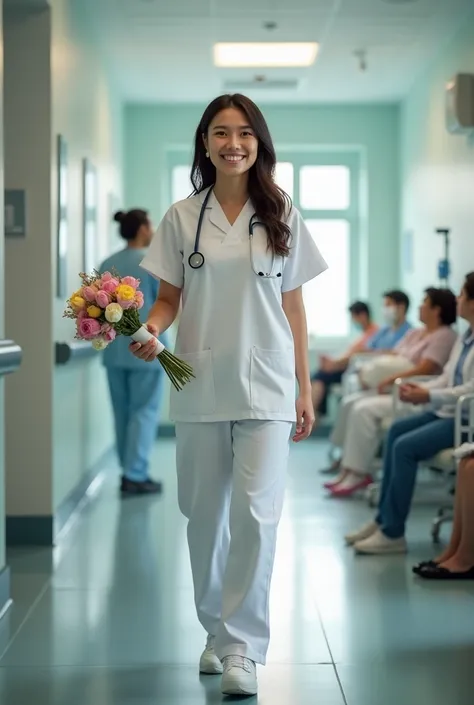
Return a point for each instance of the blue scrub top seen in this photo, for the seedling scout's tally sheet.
(386, 338)
(127, 263)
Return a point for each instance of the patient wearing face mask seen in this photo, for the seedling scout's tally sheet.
(359, 426)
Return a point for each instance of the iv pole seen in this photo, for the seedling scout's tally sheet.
(443, 264)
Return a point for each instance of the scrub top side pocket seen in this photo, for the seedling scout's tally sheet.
(198, 397)
(272, 380)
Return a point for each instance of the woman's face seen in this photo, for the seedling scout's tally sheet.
(146, 233)
(465, 305)
(426, 311)
(231, 143)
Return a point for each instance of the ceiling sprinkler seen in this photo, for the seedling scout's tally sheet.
(361, 56)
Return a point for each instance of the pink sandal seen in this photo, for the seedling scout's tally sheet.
(349, 491)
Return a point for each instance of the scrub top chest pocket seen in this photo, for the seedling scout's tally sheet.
(264, 263)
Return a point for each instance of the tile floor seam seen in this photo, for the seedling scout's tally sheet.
(28, 614)
(333, 663)
(73, 523)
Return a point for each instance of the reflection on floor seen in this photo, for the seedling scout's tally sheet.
(108, 618)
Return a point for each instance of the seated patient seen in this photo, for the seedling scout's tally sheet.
(331, 370)
(457, 561)
(419, 437)
(358, 430)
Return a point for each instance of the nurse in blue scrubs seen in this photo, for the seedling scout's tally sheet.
(135, 387)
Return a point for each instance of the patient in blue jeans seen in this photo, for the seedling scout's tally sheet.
(419, 437)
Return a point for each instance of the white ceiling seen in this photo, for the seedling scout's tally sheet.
(161, 50)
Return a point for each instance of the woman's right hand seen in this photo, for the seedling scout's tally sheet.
(146, 352)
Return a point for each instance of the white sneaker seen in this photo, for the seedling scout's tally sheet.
(209, 663)
(363, 533)
(379, 544)
(240, 676)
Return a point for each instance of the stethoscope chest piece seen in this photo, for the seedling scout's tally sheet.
(196, 260)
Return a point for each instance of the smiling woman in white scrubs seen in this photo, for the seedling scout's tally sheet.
(243, 330)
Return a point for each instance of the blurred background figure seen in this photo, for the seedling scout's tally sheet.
(331, 370)
(136, 389)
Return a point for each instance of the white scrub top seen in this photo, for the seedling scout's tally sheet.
(232, 328)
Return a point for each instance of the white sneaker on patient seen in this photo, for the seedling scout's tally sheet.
(209, 663)
(380, 545)
(240, 676)
(363, 533)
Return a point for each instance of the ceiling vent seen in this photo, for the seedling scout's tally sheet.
(261, 83)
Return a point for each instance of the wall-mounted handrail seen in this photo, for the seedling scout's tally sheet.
(73, 351)
(10, 357)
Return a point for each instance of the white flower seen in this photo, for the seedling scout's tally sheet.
(99, 344)
(113, 313)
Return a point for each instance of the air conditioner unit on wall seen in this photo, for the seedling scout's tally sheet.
(459, 106)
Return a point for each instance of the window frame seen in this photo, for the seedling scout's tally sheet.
(350, 158)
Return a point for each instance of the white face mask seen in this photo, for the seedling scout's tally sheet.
(389, 314)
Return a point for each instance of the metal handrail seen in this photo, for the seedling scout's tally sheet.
(10, 357)
(72, 351)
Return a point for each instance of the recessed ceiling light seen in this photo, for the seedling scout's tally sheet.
(265, 54)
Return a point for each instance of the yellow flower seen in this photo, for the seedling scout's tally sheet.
(94, 311)
(125, 292)
(77, 302)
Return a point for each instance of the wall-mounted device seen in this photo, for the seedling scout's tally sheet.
(444, 268)
(459, 104)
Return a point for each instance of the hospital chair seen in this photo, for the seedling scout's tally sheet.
(443, 464)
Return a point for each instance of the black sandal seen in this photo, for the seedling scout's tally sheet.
(438, 573)
(424, 564)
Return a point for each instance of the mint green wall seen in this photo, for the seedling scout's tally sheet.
(66, 89)
(373, 130)
(437, 171)
(88, 112)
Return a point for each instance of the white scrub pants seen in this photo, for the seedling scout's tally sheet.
(364, 431)
(231, 484)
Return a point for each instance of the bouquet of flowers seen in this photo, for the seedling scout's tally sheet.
(107, 305)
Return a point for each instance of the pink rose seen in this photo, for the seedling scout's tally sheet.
(102, 299)
(106, 277)
(82, 314)
(110, 285)
(89, 293)
(88, 328)
(109, 335)
(139, 300)
(126, 304)
(131, 281)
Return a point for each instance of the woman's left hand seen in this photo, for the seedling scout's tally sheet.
(385, 385)
(304, 417)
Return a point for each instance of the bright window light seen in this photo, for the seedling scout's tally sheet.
(265, 54)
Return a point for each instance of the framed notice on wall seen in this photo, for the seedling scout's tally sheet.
(89, 216)
(62, 218)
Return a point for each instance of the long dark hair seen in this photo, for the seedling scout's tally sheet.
(272, 205)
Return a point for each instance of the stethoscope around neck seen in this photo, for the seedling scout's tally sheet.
(196, 258)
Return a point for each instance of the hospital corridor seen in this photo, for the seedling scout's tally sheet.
(237, 352)
(109, 616)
